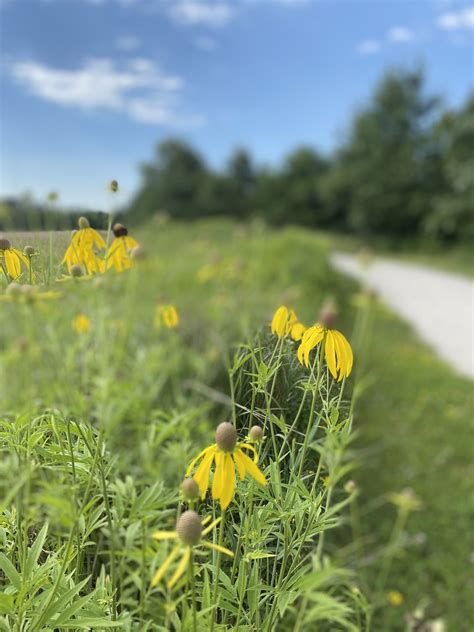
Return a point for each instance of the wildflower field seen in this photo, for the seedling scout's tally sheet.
(208, 428)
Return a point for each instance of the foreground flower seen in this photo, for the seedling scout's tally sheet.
(81, 324)
(285, 322)
(227, 454)
(337, 350)
(166, 315)
(119, 252)
(12, 258)
(189, 533)
(82, 249)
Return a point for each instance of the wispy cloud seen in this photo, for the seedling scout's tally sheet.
(128, 42)
(137, 88)
(368, 47)
(400, 34)
(194, 12)
(205, 43)
(457, 20)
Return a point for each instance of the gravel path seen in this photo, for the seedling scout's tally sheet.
(437, 304)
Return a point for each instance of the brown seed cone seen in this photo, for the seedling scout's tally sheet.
(226, 436)
(256, 433)
(119, 230)
(190, 489)
(4, 243)
(189, 528)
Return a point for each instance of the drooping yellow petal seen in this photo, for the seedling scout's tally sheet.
(180, 568)
(20, 255)
(240, 465)
(311, 338)
(201, 476)
(130, 242)
(213, 524)
(228, 485)
(164, 567)
(218, 480)
(279, 320)
(247, 446)
(164, 535)
(12, 263)
(297, 331)
(348, 352)
(217, 547)
(199, 456)
(250, 467)
(330, 353)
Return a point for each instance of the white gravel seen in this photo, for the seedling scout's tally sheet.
(439, 305)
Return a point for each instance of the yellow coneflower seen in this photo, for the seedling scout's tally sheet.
(82, 248)
(189, 533)
(119, 252)
(81, 324)
(286, 322)
(227, 454)
(395, 598)
(166, 315)
(337, 350)
(12, 259)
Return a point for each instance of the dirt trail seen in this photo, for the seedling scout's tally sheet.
(439, 305)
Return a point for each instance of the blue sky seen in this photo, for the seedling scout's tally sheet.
(88, 87)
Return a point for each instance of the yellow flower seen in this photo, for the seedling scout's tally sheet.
(118, 254)
(166, 315)
(81, 324)
(227, 454)
(395, 598)
(82, 251)
(189, 533)
(285, 322)
(337, 350)
(12, 258)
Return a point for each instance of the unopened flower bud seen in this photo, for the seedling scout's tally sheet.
(119, 230)
(83, 222)
(29, 251)
(350, 486)
(327, 316)
(4, 243)
(189, 528)
(226, 437)
(76, 270)
(113, 186)
(256, 433)
(190, 489)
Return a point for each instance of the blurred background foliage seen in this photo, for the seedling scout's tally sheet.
(402, 171)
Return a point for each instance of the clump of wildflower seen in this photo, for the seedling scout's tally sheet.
(81, 324)
(337, 350)
(190, 531)
(11, 258)
(166, 315)
(119, 252)
(395, 598)
(286, 322)
(227, 454)
(83, 248)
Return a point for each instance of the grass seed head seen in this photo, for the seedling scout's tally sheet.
(4, 243)
(190, 489)
(189, 528)
(226, 437)
(83, 222)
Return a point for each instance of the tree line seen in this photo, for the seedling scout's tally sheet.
(404, 169)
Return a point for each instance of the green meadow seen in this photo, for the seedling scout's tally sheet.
(363, 523)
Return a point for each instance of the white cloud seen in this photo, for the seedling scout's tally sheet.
(457, 20)
(127, 43)
(368, 47)
(137, 88)
(205, 43)
(400, 34)
(195, 12)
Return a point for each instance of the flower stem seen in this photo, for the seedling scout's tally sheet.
(218, 568)
(193, 590)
